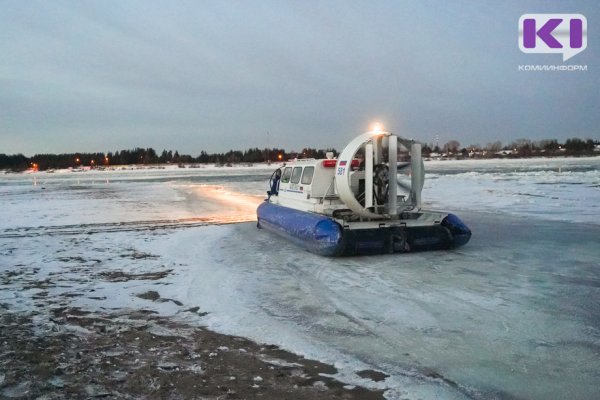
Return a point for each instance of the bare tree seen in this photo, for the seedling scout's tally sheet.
(522, 146)
(452, 146)
(494, 147)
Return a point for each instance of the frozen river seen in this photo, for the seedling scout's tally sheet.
(515, 314)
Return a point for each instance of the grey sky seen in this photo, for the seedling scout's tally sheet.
(204, 75)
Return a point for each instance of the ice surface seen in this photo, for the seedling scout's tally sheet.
(96, 197)
(513, 314)
(558, 189)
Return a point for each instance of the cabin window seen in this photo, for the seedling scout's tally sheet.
(287, 173)
(308, 175)
(296, 174)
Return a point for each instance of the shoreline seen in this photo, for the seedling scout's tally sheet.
(81, 323)
(137, 353)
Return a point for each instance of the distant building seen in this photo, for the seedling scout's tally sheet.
(476, 153)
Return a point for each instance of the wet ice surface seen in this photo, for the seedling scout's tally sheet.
(513, 314)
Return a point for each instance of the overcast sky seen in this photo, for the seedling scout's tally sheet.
(203, 75)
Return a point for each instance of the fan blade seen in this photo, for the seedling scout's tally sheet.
(369, 175)
(418, 173)
(392, 198)
(402, 166)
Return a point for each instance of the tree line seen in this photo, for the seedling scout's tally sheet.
(520, 148)
(149, 156)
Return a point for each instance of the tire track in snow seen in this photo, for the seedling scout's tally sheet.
(78, 229)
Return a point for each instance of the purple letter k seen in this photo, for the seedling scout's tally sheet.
(545, 33)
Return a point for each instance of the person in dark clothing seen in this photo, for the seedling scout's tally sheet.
(275, 184)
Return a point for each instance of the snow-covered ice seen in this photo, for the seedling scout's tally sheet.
(557, 189)
(513, 314)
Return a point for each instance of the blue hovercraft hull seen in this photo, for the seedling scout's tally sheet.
(317, 233)
(322, 235)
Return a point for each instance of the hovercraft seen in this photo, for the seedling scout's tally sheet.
(367, 201)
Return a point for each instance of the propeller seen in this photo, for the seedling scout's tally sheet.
(403, 170)
(414, 169)
(381, 167)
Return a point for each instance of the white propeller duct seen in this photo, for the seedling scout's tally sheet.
(344, 170)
